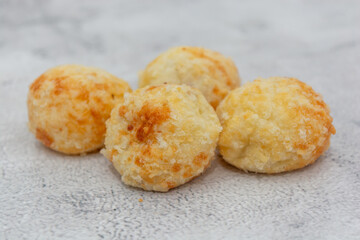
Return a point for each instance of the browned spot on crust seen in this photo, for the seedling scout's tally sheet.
(122, 111)
(59, 86)
(187, 174)
(188, 171)
(176, 167)
(200, 159)
(214, 103)
(170, 185)
(148, 117)
(246, 115)
(44, 137)
(151, 88)
(216, 90)
(82, 121)
(98, 100)
(139, 162)
(83, 95)
(301, 146)
(130, 127)
(37, 83)
(228, 82)
(96, 115)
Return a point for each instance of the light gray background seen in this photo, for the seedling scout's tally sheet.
(46, 195)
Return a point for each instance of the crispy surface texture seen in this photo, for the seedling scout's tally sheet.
(161, 136)
(274, 125)
(210, 72)
(69, 104)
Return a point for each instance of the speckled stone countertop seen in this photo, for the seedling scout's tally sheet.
(47, 195)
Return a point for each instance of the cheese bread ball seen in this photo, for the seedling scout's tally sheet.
(161, 136)
(274, 125)
(68, 106)
(210, 72)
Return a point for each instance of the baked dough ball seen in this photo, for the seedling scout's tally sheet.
(274, 125)
(68, 106)
(208, 71)
(161, 136)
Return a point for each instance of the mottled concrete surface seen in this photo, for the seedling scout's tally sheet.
(46, 195)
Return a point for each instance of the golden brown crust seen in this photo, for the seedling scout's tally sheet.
(148, 117)
(68, 106)
(274, 125)
(209, 71)
(163, 136)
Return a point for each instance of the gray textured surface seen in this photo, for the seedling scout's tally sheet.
(46, 195)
